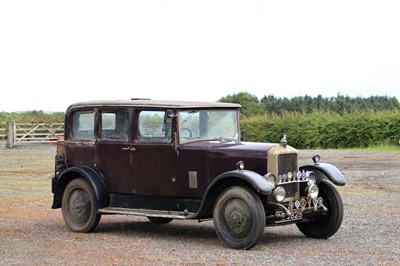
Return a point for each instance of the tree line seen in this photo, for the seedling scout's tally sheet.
(309, 122)
(340, 104)
(317, 122)
(251, 106)
(34, 116)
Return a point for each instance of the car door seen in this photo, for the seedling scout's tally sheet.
(80, 138)
(114, 152)
(154, 155)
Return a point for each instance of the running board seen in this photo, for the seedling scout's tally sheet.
(149, 213)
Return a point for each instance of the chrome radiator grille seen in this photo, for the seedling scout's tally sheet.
(287, 163)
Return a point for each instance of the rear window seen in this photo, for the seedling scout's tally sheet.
(83, 125)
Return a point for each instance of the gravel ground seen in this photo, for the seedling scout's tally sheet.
(32, 233)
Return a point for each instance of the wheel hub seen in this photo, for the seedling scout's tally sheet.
(237, 218)
(80, 206)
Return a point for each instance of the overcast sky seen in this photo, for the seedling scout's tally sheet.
(54, 53)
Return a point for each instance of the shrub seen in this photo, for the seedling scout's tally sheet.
(323, 129)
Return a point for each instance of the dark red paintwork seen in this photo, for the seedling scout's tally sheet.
(158, 169)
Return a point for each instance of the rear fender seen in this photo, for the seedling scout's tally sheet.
(326, 171)
(99, 188)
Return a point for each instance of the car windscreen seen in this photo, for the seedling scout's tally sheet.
(208, 124)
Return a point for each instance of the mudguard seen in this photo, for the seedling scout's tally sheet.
(99, 188)
(227, 179)
(326, 171)
(260, 184)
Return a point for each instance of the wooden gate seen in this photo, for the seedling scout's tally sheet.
(3, 133)
(31, 132)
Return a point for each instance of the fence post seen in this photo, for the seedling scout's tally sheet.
(11, 134)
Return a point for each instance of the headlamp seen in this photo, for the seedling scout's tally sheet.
(279, 194)
(316, 159)
(271, 179)
(240, 165)
(313, 191)
(311, 177)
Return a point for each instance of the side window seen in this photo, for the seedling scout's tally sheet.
(83, 125)
(114, 125)
(153, 127)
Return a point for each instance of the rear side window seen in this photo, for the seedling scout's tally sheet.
(154, 127)
(83, 125)
(115, 125)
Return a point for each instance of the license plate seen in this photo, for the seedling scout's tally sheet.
(296, 215)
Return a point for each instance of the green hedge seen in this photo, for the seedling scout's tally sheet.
(32, 117)
(326, 129)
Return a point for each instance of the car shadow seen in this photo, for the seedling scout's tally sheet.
(141, 226)
(190, 230)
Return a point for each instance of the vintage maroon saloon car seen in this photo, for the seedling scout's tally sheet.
(186, 160)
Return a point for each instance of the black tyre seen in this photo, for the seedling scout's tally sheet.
(239, 217)
(159, 220)
(328, 224)
(79, 206)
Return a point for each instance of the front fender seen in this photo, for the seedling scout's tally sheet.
(326, 171)
(228, 179)
(259, 183)
(99, 188)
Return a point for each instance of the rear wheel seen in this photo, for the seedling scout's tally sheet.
(328, 224)
(239, 217)
(79, 206)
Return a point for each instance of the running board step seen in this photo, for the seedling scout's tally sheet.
(149, 213)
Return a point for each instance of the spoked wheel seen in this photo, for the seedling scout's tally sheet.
(326, 225)
(79, 206)
(239, 217)
(159, 220)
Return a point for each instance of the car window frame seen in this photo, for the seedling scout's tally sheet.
(153, 140)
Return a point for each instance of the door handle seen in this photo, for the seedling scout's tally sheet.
(128, 149)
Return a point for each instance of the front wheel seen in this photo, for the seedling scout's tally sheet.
(79, 206)
(239, 217)
(328, 224)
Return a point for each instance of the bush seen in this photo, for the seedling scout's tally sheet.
(32, 117)
(321, 129)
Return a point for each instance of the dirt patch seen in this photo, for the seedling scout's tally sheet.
(32, 233)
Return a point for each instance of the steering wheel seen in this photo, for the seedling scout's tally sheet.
(188, 130)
